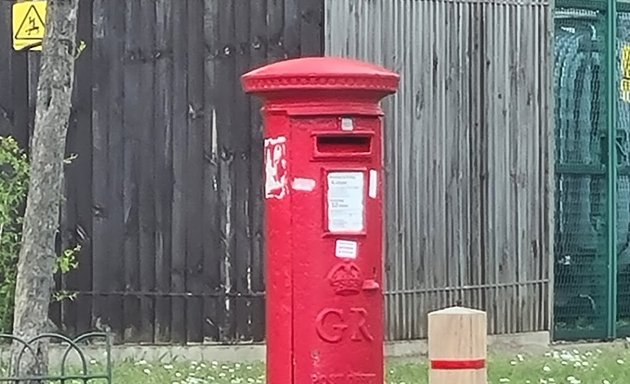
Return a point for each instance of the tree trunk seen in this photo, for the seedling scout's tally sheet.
(41, 220)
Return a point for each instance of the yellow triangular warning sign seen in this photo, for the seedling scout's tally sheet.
(31, 26)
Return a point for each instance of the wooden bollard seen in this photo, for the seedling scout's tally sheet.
(457, 346)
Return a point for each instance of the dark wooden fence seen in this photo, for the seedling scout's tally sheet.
(164, 195)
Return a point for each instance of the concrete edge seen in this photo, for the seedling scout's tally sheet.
(522, 342)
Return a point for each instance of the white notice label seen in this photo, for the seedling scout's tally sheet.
(373, 183)
(346, 249)
(346, 206)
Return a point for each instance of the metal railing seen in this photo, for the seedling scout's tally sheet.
(66, 372)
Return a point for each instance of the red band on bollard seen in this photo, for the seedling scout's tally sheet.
(458, 364)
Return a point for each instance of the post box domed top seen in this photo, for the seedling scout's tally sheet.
(320, 73)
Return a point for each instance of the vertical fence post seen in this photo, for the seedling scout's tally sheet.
(457, 346)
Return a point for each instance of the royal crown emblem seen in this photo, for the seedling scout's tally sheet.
(345, 279)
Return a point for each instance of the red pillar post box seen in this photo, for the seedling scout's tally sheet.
(323, 162)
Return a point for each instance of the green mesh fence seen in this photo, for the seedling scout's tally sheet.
(581, 259)
(584, 309)
(623, 180)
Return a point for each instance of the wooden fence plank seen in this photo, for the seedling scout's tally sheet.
(214, 307)
(180, 111)
(163, 132)
(80, 171)
(19, 91)
(275, 30)
(115, 42)
(146, 177)
(133, 99)
(291, 29)
(476, 162)
(258, 56)
(194, 170)
(311, 16)
(225, 122)
(33, 63)
(101, 219)
(241, 150)
(65, 238)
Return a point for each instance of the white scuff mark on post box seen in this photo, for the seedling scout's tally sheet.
(303, 184)
(345, 201)
(372, 190)
(346, 249)
(347, 124)
(276, 167)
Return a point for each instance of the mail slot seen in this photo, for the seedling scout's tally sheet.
(344, 144)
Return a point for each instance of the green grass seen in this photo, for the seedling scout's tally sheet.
(573, 366)
(584, 365)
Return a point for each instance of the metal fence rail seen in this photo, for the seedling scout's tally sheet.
(68, 370)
